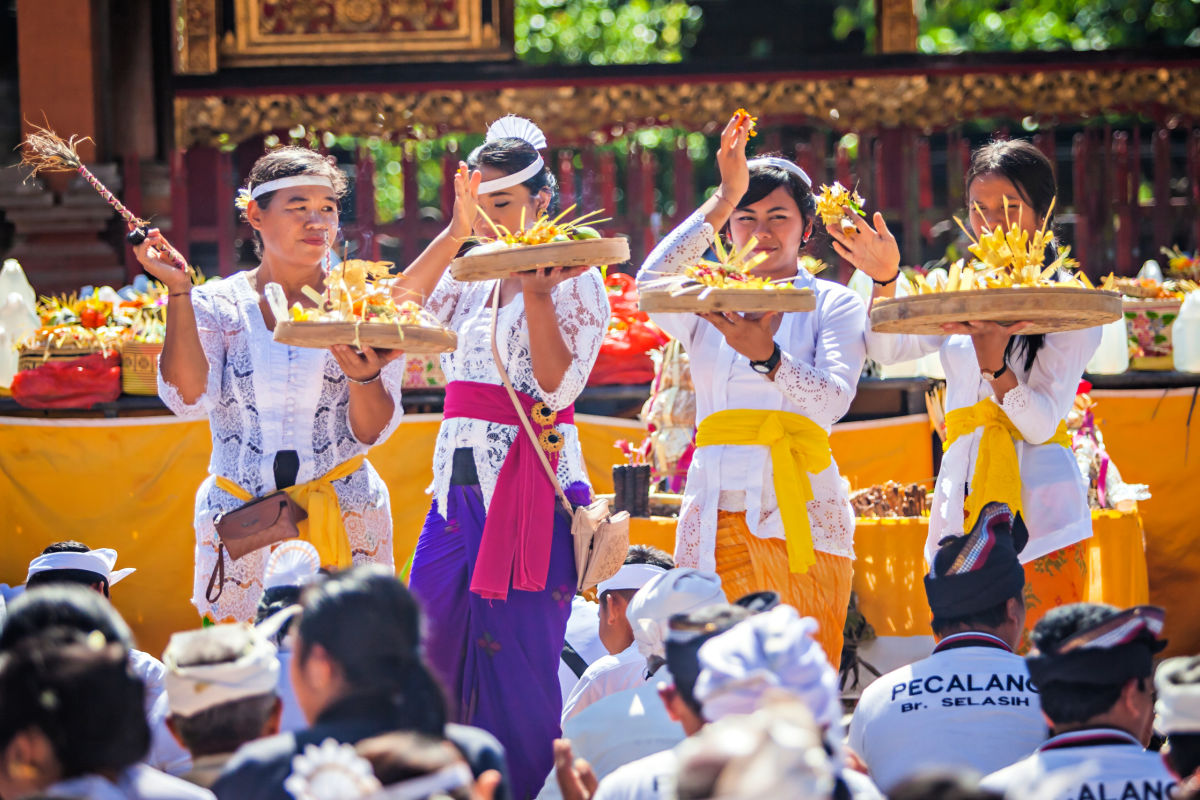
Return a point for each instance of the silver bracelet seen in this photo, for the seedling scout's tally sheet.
(367, 382)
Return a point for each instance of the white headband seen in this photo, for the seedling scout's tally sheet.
(629, 576)
(516, 179)
(514, 127)
(193, 689)
(294, 180)
(99, 561)
(780, 163)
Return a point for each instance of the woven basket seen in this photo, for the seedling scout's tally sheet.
(1049, 308)
(139, 367)
(31, 359)
(495, 264)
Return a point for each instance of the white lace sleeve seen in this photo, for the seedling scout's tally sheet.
(581, 306)
(683, 246)
(895, 348)
(393, 379)
(213, 342)
(1037, 405)
(444, 299)
(825, 388)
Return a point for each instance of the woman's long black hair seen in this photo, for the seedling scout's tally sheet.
(370, 625)
(1032, 174)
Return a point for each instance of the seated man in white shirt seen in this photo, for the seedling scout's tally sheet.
(1093, 664)
(1177, 714)
(646, 615)
(970, 705)
(221, 690)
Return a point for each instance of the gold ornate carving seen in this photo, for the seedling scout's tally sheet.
(195, 36)
(570, 112)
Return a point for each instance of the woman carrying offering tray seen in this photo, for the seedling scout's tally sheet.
(765, 505)
(1007, 394)
(282, 417)
(494, 568)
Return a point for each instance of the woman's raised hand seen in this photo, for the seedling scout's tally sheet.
(872, 249)
(150, 254)
(543, 281)
(731, 159)
(466, 201)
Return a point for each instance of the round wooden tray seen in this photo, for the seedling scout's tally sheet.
(381, 335)
(1051, 309)
(494, 264)
(743, 301)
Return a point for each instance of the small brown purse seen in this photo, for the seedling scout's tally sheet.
(260, 523)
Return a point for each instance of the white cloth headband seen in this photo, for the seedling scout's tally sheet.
(516, 179)
(193, 689)
(99, 561)
(293, 180)
(629, 576)
(677, 591)
(440, 783)
(781, 163)
(1178, 706)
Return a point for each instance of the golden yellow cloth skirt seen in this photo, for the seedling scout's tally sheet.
(748, 564)
(1054, 580)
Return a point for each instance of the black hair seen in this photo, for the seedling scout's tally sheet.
(62, 606)
(939, 785)
(81, 695)
(683, 657)
(226, 727)
(287, 162)
(369, 625)
(1183, 753)
(402, 756)
(987, 619)
(1032, 175)
(1067, 702)
(274, 600)
(81, 576)
(641, 554)
(511, 155)
(765, 179)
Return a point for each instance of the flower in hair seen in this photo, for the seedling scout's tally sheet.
(331, 771)
(242, 201)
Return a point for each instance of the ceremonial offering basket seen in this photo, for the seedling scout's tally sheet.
(139, 367)
(490, 262)
(699, 298)
(1051, 309)
(379, 335)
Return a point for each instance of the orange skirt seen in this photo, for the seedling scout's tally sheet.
(748, 564)
(1054, 580)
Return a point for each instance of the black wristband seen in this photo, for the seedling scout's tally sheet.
(889, 281)
(765, 367)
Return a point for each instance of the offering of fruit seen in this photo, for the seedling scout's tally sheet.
(832, 202)
(544, 230)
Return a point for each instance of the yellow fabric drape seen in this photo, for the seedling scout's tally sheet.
(325, 527)
(798, 446)
(997, 473)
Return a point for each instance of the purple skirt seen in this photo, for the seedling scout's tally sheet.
(497, 659)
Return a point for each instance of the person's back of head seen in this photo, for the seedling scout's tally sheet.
(363, 626)
(1177, 681)
(93, 580)
(406, 760)
(677, 591)
(686, 635)
(221, 688)
(62, 606)
(642, 563)
(941, 786)
(77, 691)
(1092, 663)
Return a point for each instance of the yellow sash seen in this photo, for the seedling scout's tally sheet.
(325, 527)
(997, 473)
(798, 446)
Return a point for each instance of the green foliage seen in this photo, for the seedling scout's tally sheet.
(604, 31)
(955, 26)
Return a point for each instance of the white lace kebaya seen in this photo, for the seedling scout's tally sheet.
(581, 305)
(1053, 493)
(823, 354)
(263, 397)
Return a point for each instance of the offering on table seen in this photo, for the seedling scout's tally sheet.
(357, 308)
(832, 202)
(1007, 281)
(1181, 265)
(726, 284)
(891, 500)
(547, 243)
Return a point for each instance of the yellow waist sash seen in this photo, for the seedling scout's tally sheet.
(997, 473)
(325, 527)
(798, 446)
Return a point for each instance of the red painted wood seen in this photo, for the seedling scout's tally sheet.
(227, 183)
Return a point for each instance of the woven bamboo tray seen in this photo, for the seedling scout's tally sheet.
(31, 359)
(139, 367)
(1051, 309)
(380, 335)
(494, 264)
(698, 299)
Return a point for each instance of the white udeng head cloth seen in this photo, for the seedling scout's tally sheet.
(677, 591)
(289, 182)
(629, 576)
(514, 127)
(192, 689)
(783, 164)
(1178, 707)
(99, 561)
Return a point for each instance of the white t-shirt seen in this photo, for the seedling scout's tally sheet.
(165, 753)
(649, 778)
(583, 634)
(1093, 764)
(970, 705)
(606, 676)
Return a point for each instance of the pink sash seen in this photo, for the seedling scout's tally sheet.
(519, 526)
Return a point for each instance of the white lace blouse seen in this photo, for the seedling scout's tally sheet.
(582, 308)
(1053, 491)
(823, 354)
(263, 397)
